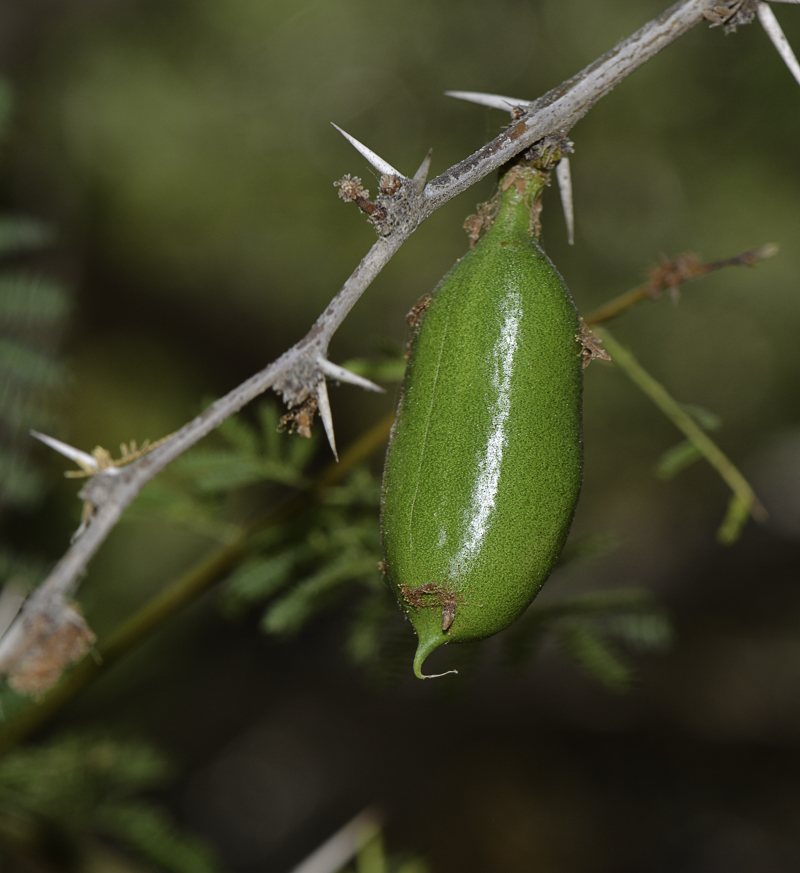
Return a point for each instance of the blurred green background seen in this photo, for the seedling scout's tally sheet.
(183, 154)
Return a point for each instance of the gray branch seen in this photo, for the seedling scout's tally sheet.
(299, 374)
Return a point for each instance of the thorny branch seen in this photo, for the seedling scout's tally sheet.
(299, 374)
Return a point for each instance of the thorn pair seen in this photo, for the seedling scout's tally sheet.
(495, 101)
(334, 371)
(384, 167)
(517, 108)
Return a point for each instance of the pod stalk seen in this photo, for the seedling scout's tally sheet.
(424, 648)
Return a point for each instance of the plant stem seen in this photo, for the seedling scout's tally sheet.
(746, 501)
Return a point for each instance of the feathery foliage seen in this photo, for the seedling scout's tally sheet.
(33, 312)
(87, 784)
(297, 567)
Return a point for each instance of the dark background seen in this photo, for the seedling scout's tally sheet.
(183, 152)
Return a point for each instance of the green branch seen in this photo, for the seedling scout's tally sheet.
(743, 502)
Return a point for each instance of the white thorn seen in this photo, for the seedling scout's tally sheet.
(337, 852)
(324, 407)
(342, 375)
(495, 101)
(11, 599)
(770, 23)
(565, 189)
(380, 165)
(421, 176)
(82, 459)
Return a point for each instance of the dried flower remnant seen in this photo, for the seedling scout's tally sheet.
(481, 221)
(418, 310)
(731, 14)
(591, 350)
(671, 273)
(301, 419)
(390, 184)
(42, 644)
(351, 190)
(446, 600)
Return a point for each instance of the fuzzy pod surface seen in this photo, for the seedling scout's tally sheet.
(485, 460)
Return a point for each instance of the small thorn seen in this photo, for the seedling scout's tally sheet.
(495, 101)
(12, 596)
(421, 176)
(342, 375)
(770, 24)
(565, 189)
(84, 460)
(324, 409)
(768, 250)
(380, 165)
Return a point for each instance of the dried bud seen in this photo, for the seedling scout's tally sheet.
(299, 420)
(390, 185)
(350, 188)
(46, 642)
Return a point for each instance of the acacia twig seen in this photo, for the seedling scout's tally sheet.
(299, 374)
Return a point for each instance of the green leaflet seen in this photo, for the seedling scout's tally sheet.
(485, 461)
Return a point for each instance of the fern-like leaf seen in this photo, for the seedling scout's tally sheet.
(592, 652)
(151, 833)
(22, 235)
(288, 614)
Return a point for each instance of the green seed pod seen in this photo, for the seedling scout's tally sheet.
(485, 459)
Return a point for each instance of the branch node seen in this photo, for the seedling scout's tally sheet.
(46, 637)
(670, 274)
(731, 14)
(545, 153)
(299, 420)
